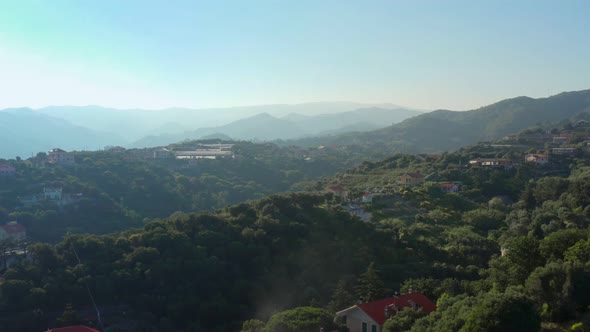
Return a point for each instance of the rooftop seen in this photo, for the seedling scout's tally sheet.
(13, 227)
(376, 309)
(203, 153)
(336, 188)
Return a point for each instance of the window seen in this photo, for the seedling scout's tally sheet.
(373, 328)
(364, 329)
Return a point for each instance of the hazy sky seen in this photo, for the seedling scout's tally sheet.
(156, 54)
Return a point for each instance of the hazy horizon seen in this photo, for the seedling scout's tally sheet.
(318, 102)
(173, 107)
(157, 55)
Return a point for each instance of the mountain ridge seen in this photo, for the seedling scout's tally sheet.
(264, 126)
(442, 130)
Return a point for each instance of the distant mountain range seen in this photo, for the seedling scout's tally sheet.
(134, 124)
(24, 131)
(386, 128)
(443, 130)
(264, 126)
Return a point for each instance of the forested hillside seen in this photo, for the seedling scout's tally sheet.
(214, 271)
(504, 249)
(115, 191)
(443, 130)
(23, 132)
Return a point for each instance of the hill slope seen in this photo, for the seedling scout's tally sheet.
(24, 132)
(264, 126)
(443, 130)
(178, 120)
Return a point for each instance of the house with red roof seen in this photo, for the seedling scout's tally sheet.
(370, 316)
(411, 179)
(77, 328)
(7, 171)
(539, 159)
(13, 230)
(367, 198)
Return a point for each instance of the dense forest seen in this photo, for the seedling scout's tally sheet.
(508, 252)
(119, 190)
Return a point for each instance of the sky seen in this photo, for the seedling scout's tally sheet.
(455, 55)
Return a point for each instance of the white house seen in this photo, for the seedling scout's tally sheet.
(161, 153)
(367, 198)
(370, 316)
(52, 193)
(539, 159)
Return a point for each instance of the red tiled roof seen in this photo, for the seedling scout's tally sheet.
(13, 228)
(376, 309)
(77, 328)
(447, 185)
(336, 188)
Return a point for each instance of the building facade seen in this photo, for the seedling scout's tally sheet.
(60, 157)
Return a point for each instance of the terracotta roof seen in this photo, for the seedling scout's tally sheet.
(77, 328)
(12, 228)
(336, 188)
(376, 309)
(447, 185)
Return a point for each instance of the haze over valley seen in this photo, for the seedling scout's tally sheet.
(92, 127)
(294, 166)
